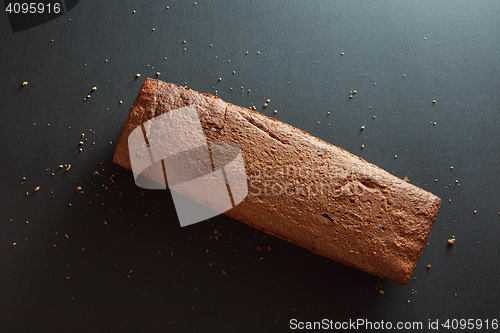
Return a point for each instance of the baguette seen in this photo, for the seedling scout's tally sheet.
(304, 190)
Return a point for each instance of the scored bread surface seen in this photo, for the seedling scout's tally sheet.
(304, 190)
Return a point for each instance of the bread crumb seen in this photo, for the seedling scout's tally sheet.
(14, 244)
(406, 180)
(276, 111)
(475, 211)
(375, 84)
(68, 167)
(25, 83)
(138, 75)
(37, 188)
(94, 88)
(342, 54)
(362, 127)
(381, 292)
(451, 241)
(428, 266)
(433, 101)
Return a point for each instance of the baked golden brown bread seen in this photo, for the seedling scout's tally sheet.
(304, 190)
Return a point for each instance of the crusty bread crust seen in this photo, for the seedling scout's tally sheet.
(337, 204)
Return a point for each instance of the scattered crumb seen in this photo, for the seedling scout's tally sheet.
(406, 180)
(362, 127)
(94, 88)
(68, 167)
(138, 75)
(14, 244)
(451, 241)
(276, 111)
(25, 83)
(428, 266)
(475, 211)
(375, 83)
(224, 272)
(342, 54)
(37, 188)
(433, 101)
(381, 292)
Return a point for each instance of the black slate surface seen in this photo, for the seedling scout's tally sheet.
(116, 259)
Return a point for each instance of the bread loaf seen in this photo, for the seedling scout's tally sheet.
(304, 190)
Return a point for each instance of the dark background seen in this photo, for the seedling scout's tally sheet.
(117, 260)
